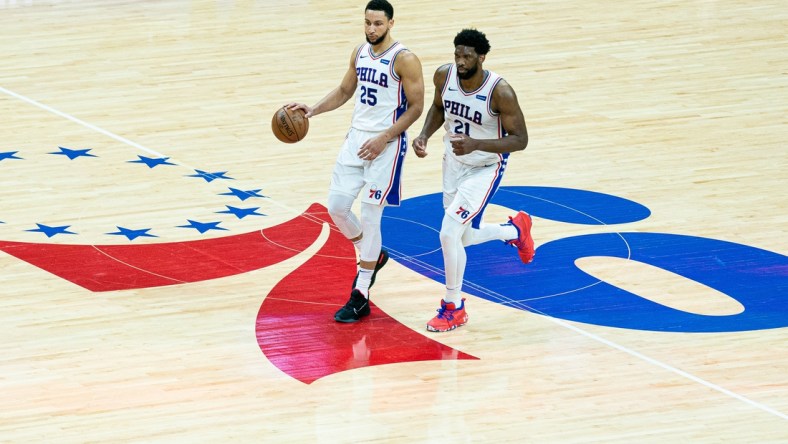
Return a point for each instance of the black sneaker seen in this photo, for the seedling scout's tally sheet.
(356, 308)
(383, 257)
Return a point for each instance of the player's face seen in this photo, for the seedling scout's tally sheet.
(467, 60)
(376, 26)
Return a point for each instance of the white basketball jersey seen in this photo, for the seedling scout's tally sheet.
(380, 99)
(470, 113)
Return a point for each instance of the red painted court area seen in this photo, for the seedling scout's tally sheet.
(294, 326)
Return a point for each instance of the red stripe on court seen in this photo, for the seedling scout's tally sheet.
(124, 267)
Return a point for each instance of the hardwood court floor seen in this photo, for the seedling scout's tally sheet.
(150, 223)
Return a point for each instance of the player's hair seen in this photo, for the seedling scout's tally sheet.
(381, 5)
(474, 39)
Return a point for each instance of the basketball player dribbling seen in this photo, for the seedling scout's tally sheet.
(484, 123)
(386, 80)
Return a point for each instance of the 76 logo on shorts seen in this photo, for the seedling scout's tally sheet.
(375, 194)
(463, 213)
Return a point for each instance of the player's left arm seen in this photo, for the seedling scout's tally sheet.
(408, 68)
(504, 102)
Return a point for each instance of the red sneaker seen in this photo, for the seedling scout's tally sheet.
(449, 317)
(524, 242)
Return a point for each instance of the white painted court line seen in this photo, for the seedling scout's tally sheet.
(112, 135)
(521, 305)
(80, 122)
(667, 367)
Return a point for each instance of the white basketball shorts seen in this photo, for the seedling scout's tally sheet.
(467, 189)
(378, 180)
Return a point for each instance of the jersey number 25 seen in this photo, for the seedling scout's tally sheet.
(368, 96)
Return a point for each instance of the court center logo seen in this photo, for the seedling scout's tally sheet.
(554, 285)
(551, 285)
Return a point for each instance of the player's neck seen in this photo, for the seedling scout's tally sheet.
(383, 45)
(474, 82)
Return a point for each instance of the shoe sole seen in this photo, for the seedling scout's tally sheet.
(347, 321)
(351, 320)
(453, 327)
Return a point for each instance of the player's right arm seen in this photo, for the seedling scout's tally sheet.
(338, 96)
(435, 116)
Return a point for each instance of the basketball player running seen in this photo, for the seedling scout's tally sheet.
(387, 81)
(484, 123)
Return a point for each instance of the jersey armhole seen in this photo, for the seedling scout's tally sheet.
(393, 62)
(489, 102)
(448, 77)
(358, 54)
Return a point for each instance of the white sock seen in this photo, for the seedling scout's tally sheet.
(488, 232)
(453, 296)
(362, 283)
(509, 232)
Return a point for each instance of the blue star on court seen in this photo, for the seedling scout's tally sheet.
(9, 155)
(210, 176)
(132, 234)
(152, 161)
(240, 213)
(202, 227)
(243, 194)
(73, 154)
(51, 231)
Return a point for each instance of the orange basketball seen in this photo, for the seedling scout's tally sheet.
(289, 125)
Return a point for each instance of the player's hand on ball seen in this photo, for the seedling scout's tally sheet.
(303, 107)
(289, 123)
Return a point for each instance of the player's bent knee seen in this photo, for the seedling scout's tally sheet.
(339, 206)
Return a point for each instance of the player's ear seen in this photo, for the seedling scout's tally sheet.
(482, 57)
